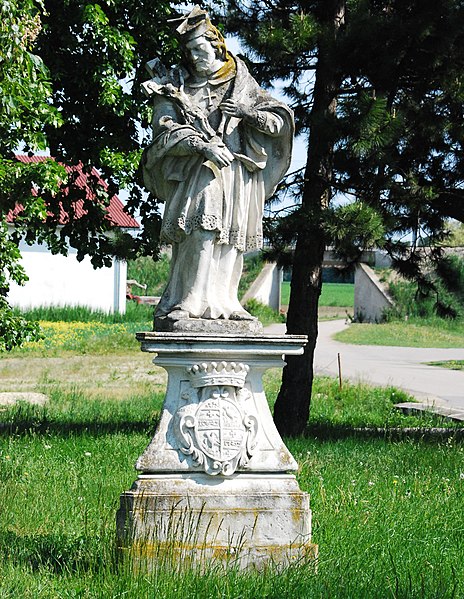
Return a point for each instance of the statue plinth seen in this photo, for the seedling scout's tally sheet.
(216, 481)
(209, 327)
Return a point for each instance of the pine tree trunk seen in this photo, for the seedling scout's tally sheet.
(291, 410)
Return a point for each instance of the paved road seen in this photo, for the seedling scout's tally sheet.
(402, 367)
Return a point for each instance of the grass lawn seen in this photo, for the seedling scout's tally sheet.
(433, 332)
(387, 506)
(451, 364)
(333, 294)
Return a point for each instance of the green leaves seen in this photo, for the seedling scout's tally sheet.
(70, 74)
(25, 111)
(14, 329)
(352, 228)
(371, 121)
(117, 50)
(10, 269)
(25, 89)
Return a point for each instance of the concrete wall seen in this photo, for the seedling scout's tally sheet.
(62, 280)
(377, 258)
(266, 287)
(370, 297)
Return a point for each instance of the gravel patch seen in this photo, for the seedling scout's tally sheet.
(9, 398)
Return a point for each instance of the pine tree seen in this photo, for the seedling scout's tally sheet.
(377, 87)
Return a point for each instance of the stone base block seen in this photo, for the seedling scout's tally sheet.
(206, 326)
(251, 520)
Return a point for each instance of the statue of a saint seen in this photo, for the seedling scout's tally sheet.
(220, 146)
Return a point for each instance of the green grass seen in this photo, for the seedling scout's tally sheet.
(148, 272)
(134, 313)
(78, 338)
(432, 332)
(451, 364)
(387, 504)
(333, 294)
(386, 513)
(265, 314)
(356, 406)
(375, 506)
(79, 330)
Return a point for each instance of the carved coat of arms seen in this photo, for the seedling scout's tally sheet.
(214, 427)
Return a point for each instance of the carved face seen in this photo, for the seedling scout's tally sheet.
(203, 56)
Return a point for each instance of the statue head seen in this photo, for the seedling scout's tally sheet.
(202, 42)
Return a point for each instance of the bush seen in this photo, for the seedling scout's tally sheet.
(155, 274)
(252, 266)
(442, 293)
(451, 272)
(265, 314)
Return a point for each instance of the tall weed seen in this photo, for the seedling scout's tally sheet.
(134, 313)
(147, 271)
(252, 266)
(265, 314)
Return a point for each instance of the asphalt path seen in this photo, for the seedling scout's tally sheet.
(402, 367)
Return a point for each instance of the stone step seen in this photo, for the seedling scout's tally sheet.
(411, 407)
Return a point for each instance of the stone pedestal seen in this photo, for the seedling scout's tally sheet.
(215, 482)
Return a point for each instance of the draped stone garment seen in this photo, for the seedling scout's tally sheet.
(212, 215)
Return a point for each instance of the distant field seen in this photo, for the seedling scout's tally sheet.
(333, 294)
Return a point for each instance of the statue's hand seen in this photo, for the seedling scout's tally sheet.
(218, 153)
(236, 109)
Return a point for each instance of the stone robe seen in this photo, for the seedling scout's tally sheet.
(212, 215)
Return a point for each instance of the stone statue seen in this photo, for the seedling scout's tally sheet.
(216, 464)
(220, 146)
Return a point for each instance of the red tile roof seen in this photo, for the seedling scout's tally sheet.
(116, 213)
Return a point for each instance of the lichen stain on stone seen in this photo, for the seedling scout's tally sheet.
(143, 556)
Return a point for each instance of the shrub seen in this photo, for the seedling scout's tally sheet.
(441, 294)
(265, 314)
(155, 274)
(252, 266)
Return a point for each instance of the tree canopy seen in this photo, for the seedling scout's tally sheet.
(69, 84)
(25, 110)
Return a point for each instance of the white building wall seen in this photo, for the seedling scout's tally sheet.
(63, 281)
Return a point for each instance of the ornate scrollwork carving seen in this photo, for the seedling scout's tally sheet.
(215, 429)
